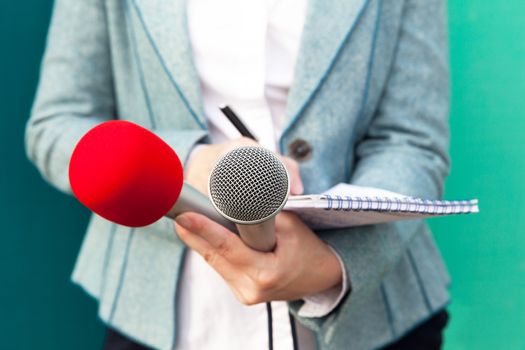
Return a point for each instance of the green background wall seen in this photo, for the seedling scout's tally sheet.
(486, 253)
(41, 229)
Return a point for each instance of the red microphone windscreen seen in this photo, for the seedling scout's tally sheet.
(125, 173)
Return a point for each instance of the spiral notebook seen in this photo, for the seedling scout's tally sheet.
(348, 205)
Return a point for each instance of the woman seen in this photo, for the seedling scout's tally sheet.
(345, 91)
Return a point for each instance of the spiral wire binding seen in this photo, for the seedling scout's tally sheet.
(398, 205)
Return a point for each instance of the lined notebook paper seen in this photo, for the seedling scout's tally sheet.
(348, 205)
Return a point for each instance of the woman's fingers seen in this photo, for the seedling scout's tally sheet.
(296, 184)
(222, 241)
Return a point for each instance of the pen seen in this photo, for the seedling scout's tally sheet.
(234, 119)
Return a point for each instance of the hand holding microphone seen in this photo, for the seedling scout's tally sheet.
(128, 175)
(249, 185)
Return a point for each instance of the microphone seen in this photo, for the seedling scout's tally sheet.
(249, 186)
(128, 175)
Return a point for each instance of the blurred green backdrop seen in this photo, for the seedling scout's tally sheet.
(42, 229)
(486, 253)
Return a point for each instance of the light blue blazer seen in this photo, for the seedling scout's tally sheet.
(370, 96)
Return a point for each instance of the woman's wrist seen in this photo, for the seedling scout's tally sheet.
(322, 303)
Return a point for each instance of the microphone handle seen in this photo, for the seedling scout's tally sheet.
(192, 200)
(260, 236)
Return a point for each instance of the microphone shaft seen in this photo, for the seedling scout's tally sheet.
(192, 200)
(260, 236)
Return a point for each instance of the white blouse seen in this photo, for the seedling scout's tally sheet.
(244, 53)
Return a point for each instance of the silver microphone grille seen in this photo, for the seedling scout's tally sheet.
(249, 185)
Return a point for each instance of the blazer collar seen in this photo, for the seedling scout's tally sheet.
(165, 24)
(327, 26)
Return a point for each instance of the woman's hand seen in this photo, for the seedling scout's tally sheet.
(301, 263)
(198, 168)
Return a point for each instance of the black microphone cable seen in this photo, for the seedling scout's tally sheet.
(270, 325)
(270, 328)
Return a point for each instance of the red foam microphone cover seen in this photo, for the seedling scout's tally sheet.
(125, 173)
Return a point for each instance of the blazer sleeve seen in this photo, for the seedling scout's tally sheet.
(405, 149)
(76, 90)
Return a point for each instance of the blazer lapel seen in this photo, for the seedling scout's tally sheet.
(328, 25)
(165, 24)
